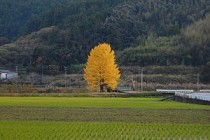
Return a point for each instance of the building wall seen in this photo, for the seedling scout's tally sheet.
(3, 75)
(8, 75)
(192, 101)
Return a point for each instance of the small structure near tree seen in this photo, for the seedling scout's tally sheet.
(6, 76)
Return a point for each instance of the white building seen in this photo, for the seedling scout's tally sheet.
(6, 74)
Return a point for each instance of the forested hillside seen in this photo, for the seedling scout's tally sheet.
(54, 34)
(16, 13)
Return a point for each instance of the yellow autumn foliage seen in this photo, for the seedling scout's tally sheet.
(101, 69)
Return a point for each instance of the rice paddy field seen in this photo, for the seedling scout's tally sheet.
(64, 118)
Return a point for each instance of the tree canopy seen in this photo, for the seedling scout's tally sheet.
(101, 70)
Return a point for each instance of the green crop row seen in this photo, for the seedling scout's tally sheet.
(65, 102)
(157, 116)
(93, 130)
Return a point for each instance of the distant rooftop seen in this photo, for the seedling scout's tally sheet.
(4, 71)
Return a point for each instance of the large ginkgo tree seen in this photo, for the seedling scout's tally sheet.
(101, 71)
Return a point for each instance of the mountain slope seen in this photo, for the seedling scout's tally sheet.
(15, 14)
(64, 34)
(121, 23)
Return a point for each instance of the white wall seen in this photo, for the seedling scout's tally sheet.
(8, 75)
(3, 75)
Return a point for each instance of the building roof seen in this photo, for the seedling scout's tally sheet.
(5, 71)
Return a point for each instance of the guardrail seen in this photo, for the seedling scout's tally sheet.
(172, 91)
(205, 91)
(124, 88)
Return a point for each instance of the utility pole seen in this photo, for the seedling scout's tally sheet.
(65, 69)
(198, 82)
(16, 70)
(142, 72)
(42, 75)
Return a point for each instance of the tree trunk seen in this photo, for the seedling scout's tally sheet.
(102, 88)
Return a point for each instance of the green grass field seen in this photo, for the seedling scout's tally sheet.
(62, 118)
(65, 102)
(81, 131)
